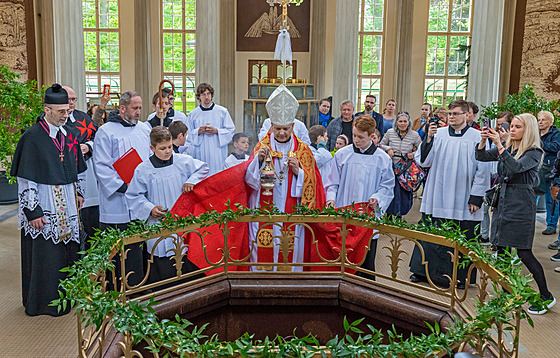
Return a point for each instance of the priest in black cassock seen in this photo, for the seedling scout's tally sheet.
(49, 167)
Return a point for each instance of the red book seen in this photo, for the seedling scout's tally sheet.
(126, 164)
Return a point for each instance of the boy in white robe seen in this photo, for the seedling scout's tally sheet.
(239, 154)
(178, 132)
(210, 130)
(453, 191)
(157, 184)
(362, 173)
(323, 158)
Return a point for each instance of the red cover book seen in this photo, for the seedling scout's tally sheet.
(126, 164)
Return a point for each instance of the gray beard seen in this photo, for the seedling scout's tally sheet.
(130, 120)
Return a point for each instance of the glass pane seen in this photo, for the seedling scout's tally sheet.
(190, 15)
(373, 15)
(113, 80)
(109, 51)
(173, 52)
(435, 55)
(438, 16)
(92, 86)
(368, 86)
(88, 13)
(460, 16)
(109, 14)
(190, 100)
(90, 50)
(172, 11)
(371, 55)
(433, 92)
(456, 89)
(190, 52)
(457, 55)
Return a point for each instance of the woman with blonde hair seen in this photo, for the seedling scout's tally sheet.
(515, 202)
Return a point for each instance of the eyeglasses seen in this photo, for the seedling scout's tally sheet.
(72, 99)
(455, 114)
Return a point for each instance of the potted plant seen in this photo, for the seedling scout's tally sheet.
(20, 104)
(525, 101)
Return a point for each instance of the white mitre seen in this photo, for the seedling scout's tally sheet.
(282, 106)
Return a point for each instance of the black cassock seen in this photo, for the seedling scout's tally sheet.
(41, 173)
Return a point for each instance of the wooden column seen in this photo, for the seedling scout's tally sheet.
(62, 45)
(227, 57)
(486, 49)
(318, 47)
(404, 54)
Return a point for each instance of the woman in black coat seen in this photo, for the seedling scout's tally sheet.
(513, 219)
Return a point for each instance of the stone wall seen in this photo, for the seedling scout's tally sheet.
(540, 62)
(13, 39)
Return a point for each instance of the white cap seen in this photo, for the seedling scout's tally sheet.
(282, 106)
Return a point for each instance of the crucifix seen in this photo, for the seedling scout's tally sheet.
(61, 156)
(284, 4)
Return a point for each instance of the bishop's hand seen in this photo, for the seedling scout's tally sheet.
(263, 153)
(293, 163)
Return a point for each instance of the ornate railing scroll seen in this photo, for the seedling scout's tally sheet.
(394, 249)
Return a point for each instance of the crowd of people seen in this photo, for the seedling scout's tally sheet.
(69, 183)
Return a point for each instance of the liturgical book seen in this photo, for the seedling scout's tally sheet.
(126, 164)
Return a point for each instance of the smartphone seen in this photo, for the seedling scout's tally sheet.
(505, 126)
(164, 210)
(486, 123)
(106, 89)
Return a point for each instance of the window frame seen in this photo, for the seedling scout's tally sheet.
(183, 75)
(98, 30)
(361, 76)
(448, 34)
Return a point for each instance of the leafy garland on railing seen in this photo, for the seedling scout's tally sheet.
(166, 336)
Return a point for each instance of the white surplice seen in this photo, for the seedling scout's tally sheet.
(162, 186)
(357, 177)
(112, 140)
(280, 193)
(232, 160)
(324, 160)
(210, 148)
(454, 175)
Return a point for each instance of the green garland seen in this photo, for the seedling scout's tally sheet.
(166, 336)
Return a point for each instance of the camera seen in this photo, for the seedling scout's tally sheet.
(434, 120)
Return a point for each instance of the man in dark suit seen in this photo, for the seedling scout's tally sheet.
(369, 106)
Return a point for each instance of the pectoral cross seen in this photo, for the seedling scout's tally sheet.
(61, 156)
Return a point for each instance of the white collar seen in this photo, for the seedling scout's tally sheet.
(71, 117)
(364, 150)
(53, 130)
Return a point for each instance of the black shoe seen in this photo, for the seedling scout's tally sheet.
(484, 241)
(548, 304)
(494, 247)
(418, 278)
(556, 257)
(554, 245)
(549, 231)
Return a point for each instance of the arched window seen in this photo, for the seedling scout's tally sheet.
(449, 35)
(178, 27)
(101, 45)
(371, 36)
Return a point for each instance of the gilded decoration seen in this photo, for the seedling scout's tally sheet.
(540, 62)
(13, 41)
